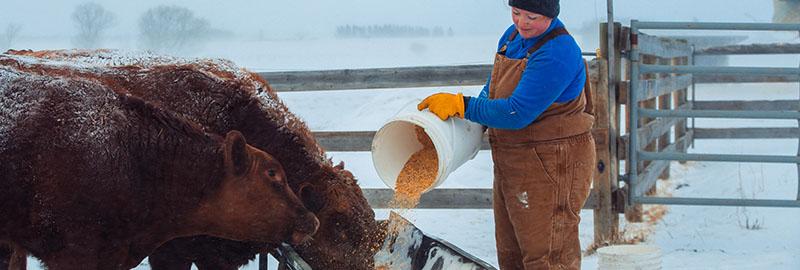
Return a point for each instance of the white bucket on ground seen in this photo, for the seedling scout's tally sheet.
(456, 141)
(633, 257)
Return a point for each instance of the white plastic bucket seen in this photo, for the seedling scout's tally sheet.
(456, 141)
(633, 257)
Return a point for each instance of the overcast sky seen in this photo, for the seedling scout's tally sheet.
(320, 17)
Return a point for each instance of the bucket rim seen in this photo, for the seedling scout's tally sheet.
(438, 144)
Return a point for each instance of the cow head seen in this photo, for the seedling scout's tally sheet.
(348, 235)
(254, 201)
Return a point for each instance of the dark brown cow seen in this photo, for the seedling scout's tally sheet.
(222, 97)
(12, 257)
(93, 179)
(206, 252)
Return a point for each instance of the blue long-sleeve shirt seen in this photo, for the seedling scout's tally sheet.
(554, 73)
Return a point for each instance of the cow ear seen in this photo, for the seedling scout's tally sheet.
(237, 160)
(307, 195)
(339, 166)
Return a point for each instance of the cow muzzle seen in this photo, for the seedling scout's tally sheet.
(305, 227)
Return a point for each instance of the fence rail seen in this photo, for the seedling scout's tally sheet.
(746, 133)
(744, 78)
(359, 79)
(717, 202)
(663, 47)
(716, 26)
(750, 49)
(361, 141)
(748, 105)
(447, 198)
(644, 155)
(659, 87)
(374, 78)
(721, 114)
(770, 71)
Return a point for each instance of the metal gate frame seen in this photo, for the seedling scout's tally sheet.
(635, 154)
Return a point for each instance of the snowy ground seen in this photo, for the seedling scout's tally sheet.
(690, 237)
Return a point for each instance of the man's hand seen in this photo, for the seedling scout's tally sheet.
(444, 105)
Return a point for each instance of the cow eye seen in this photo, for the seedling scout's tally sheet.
(277, 185)
(271, 172)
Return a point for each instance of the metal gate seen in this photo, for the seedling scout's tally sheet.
(635, 152)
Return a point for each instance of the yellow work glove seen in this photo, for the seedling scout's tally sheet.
(444, 105)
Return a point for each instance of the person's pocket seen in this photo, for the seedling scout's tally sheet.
(549, 157)
(582, 159)
(525, 181)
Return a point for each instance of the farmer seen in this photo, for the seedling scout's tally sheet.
(538, 111)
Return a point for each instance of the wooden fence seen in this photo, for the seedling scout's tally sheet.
(361, 141)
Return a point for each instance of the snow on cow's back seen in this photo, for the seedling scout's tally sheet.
(84, 116)
(96, 63)
(101, 61)
(12, 106)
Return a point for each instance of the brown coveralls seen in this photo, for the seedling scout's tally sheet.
(542, 175)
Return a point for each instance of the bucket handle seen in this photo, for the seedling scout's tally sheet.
(452, 134)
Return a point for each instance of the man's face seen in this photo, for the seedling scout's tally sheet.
(529, 24)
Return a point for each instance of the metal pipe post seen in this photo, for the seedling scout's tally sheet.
(694, 87)
(612, 81)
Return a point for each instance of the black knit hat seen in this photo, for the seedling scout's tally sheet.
(549, 8)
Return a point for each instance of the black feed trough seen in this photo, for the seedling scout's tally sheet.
(408, 249)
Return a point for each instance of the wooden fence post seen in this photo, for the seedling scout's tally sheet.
(606, 218)
(643, 121)
(679, 99)
(665, 103)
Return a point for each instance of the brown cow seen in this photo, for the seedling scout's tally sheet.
(93, 179)
(222, 97)
(205, 252)
(12, 257)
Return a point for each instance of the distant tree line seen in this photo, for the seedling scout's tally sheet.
(92, 21)
(390, 31)
(172, 28)
(9, 35)
(161, 28)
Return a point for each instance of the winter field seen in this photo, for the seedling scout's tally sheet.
(690, 237)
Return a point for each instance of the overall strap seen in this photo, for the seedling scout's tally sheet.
(511, 37)
(550, 36)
